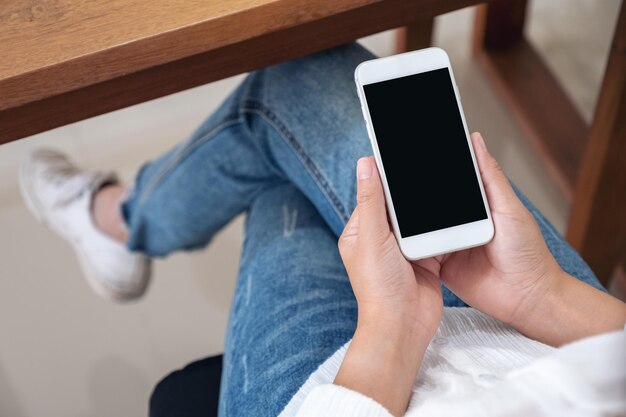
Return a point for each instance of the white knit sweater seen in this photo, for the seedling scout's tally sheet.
(477, 366)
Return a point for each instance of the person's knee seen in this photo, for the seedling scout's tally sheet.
(350, 54)
(326, 73)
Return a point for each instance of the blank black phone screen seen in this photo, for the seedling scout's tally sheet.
(424, 151)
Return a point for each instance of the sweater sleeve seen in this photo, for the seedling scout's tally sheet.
(330, 400)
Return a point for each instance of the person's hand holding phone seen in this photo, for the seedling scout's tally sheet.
(515, 278)
(385, 283)
(505, 278)
(508, 276)
(399, 303)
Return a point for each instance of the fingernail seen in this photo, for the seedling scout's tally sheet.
(481, 141)
(364, 169)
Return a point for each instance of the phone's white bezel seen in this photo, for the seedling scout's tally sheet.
(439, 241)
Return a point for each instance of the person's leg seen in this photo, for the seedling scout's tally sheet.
(107, 213)
(299, 121)
(293, 305)
(279, 124)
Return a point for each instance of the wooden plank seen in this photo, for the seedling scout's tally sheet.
(414, 36)
(597, 224)
(53, 46)
(80, 95)
(533, 96)
(499, 24)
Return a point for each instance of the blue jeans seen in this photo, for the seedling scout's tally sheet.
(282, 147)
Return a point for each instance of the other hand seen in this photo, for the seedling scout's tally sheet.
(507, 277)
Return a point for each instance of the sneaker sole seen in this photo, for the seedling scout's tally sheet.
(97, 285)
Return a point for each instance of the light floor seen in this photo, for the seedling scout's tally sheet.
(66, 353)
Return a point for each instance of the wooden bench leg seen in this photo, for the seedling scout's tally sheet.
(499, 24)
(530, 91)
(415, 36)
(597, 224)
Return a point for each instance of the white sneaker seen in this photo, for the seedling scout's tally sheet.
(59, 195)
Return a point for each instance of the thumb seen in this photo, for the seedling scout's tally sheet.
(373, 225)
(499, 191)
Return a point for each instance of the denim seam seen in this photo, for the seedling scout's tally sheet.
(256, 107)
(182, 154)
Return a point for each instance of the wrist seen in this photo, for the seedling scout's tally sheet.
(540, 298)
(569, 310)
(383, 360)
(393, 336)
(411, 323)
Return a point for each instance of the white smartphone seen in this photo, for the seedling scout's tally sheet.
(434, 193)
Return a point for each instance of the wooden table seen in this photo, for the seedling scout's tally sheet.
(66, 60)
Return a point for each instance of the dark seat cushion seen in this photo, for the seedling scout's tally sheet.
(189, 392)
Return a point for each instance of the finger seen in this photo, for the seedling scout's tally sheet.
(498, 188)
(373, 225)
